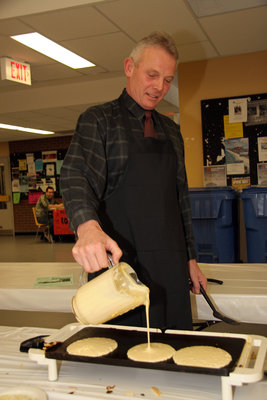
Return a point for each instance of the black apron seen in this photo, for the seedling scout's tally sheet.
(143, 216)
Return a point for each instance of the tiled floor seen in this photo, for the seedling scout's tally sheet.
(23, 248)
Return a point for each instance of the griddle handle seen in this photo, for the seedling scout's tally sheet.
(36, 342)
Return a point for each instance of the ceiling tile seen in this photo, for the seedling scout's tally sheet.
(80, 108)
(53, 71)
(210, 7)
(91, 71)
(12, 27)
(13, 49)
(70, 23)
(246, 31)
(65, 113)
(196, 51)
(107, 51)
(11, 136)
(139, 18)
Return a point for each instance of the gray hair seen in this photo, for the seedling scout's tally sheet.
(155, 39)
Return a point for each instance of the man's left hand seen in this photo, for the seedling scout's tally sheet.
(196, 277)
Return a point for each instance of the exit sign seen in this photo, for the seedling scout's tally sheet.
(16, 71)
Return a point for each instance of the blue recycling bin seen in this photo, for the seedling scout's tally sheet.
(255, 216)
(214, 217)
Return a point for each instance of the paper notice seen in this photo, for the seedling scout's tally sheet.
(233, 130)
(63, 280)
(238, 110)
(262, 148)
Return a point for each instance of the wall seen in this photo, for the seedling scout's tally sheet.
(4, 149)
(23, 217)
(218, 77)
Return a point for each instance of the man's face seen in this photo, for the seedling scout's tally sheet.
(49, 194)
(149, 81)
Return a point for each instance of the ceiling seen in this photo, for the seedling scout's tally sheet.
(104, 31)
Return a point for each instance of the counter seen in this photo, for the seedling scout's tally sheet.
(242, 296)
(90, 381)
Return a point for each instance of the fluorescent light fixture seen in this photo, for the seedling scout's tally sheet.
(30, 130)
(53, 50)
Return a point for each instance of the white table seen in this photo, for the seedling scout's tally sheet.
(243, 295)
(89, 381)
(17, 290)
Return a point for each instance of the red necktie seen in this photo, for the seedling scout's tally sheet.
(149, 126)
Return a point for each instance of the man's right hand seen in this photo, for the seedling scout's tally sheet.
(92, 246)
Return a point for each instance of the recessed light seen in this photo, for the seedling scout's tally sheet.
(30, 130)
(53, 50)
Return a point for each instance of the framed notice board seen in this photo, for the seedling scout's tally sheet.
(234, 132)
(33, 172)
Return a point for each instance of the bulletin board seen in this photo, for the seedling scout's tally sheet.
(32, 173)
(234, 132)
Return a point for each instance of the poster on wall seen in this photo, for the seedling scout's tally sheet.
(238, 110)
(15, 185)
(262, 174)
(50, 169)
(240, 183)
(257, 112)
(23, 165)
(38, 165)
(215, 176)
(31, 169)
(232, 130)
(237, 157)
(29, 158)
(43, 183)
(262, 148)
(23, 183)
(15, 173)
(49, 156)
(58, 166)
(30, 163)
(32, 182)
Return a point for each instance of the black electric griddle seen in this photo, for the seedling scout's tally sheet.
(129, 338)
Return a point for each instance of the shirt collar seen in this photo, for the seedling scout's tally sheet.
(133, 107)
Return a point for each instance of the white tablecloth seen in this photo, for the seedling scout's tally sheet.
(243, 295)
(82, 380)
(17, 290)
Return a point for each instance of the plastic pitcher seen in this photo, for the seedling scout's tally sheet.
(113, 293)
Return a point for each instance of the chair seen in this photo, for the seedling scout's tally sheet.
(41, 227)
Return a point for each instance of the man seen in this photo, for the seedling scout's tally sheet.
(127, 194)
(45, 203)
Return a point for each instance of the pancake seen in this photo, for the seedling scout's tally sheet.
(92, 347)
(155, 352)
(202, 356)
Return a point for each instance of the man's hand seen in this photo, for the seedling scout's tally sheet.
(92, 245)
(196, 276)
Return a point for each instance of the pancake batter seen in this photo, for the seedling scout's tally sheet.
(92, 347)
(153, 352)
(202, 356)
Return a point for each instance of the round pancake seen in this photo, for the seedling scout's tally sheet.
(156, 352)
(202, 356)
(92, 347)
